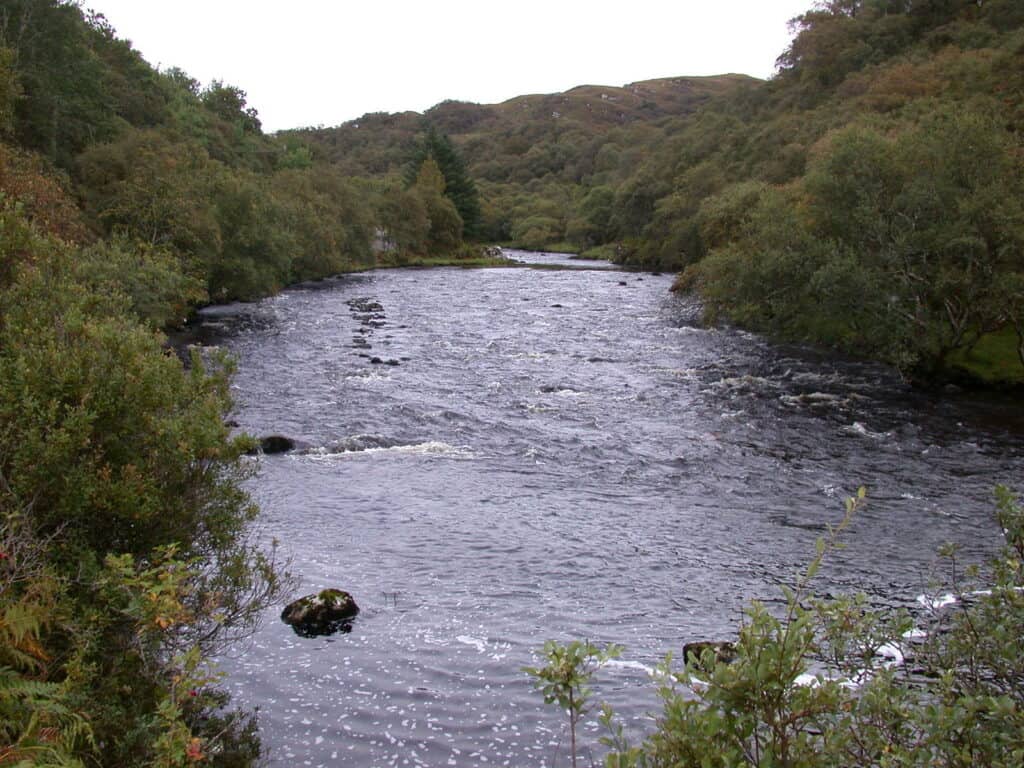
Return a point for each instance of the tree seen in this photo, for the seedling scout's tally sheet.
(405, 220)
(937, 212)
(228, 102)
(257, 242)
(328, 217)
(117, 470)
(458, 184)
(78, 83)
(596, 211)
(446, 225)
(635, 203)
(9, 90)
(153, 187)
(44, 194)
(906, 248)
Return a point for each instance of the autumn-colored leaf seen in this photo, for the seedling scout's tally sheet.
(194, 750)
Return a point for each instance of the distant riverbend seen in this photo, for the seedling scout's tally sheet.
(491, 458)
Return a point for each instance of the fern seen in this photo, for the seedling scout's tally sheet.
(36, 726)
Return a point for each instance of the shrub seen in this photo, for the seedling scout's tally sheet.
(837, 683)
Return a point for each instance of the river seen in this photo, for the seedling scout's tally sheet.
(497, 457)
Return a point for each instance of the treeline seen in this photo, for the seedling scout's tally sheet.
(184, 175)
(534, 158)
(148, 161)
(127, 197)
(870, 197)
(867, 197)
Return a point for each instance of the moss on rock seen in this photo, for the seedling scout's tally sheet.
(323, 613)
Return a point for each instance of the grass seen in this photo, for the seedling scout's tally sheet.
(444, 261)
(993, 360)
(600, 253)
(561, 248)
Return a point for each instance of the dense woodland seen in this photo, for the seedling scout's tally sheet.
(868, 197)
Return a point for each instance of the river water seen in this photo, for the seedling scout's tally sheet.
(492, 458)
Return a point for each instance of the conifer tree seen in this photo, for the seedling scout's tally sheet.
(459, 185)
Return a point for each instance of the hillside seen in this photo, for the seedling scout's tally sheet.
(380, 143)
(886, 153)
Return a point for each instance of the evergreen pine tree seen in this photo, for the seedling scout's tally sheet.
(459, 185)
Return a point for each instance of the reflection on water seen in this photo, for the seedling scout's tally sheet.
(492, 458)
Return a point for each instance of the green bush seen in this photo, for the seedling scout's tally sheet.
(563, 680)
(823, 685)
(121, 515)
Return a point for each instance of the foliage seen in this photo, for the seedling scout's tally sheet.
(825, 685)
(444, 233)
(329, 220)
(9, 90)
(43, 193)
(126, 552)
(458, 185)
(36, 721)
(153, 187)
(404, 219)
(594, 223)
(159, 290)
(563, 680)
(244, 233)
(904, 248)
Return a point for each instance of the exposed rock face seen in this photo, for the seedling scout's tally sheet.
(723, 651)
(326, 612)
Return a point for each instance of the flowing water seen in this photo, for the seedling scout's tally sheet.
(492, 458)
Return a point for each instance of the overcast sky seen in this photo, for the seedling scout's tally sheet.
(323, 62)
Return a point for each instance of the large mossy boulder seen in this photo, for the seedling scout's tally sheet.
(324, 613)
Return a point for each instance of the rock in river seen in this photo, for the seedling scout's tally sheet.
(276, 444)
(324, 613)
(272, 444)
(721, 651)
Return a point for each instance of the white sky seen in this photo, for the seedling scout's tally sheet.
(323, 62)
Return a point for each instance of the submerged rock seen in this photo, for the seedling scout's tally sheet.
(326, 612)
(723, 651)
(365, 305)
